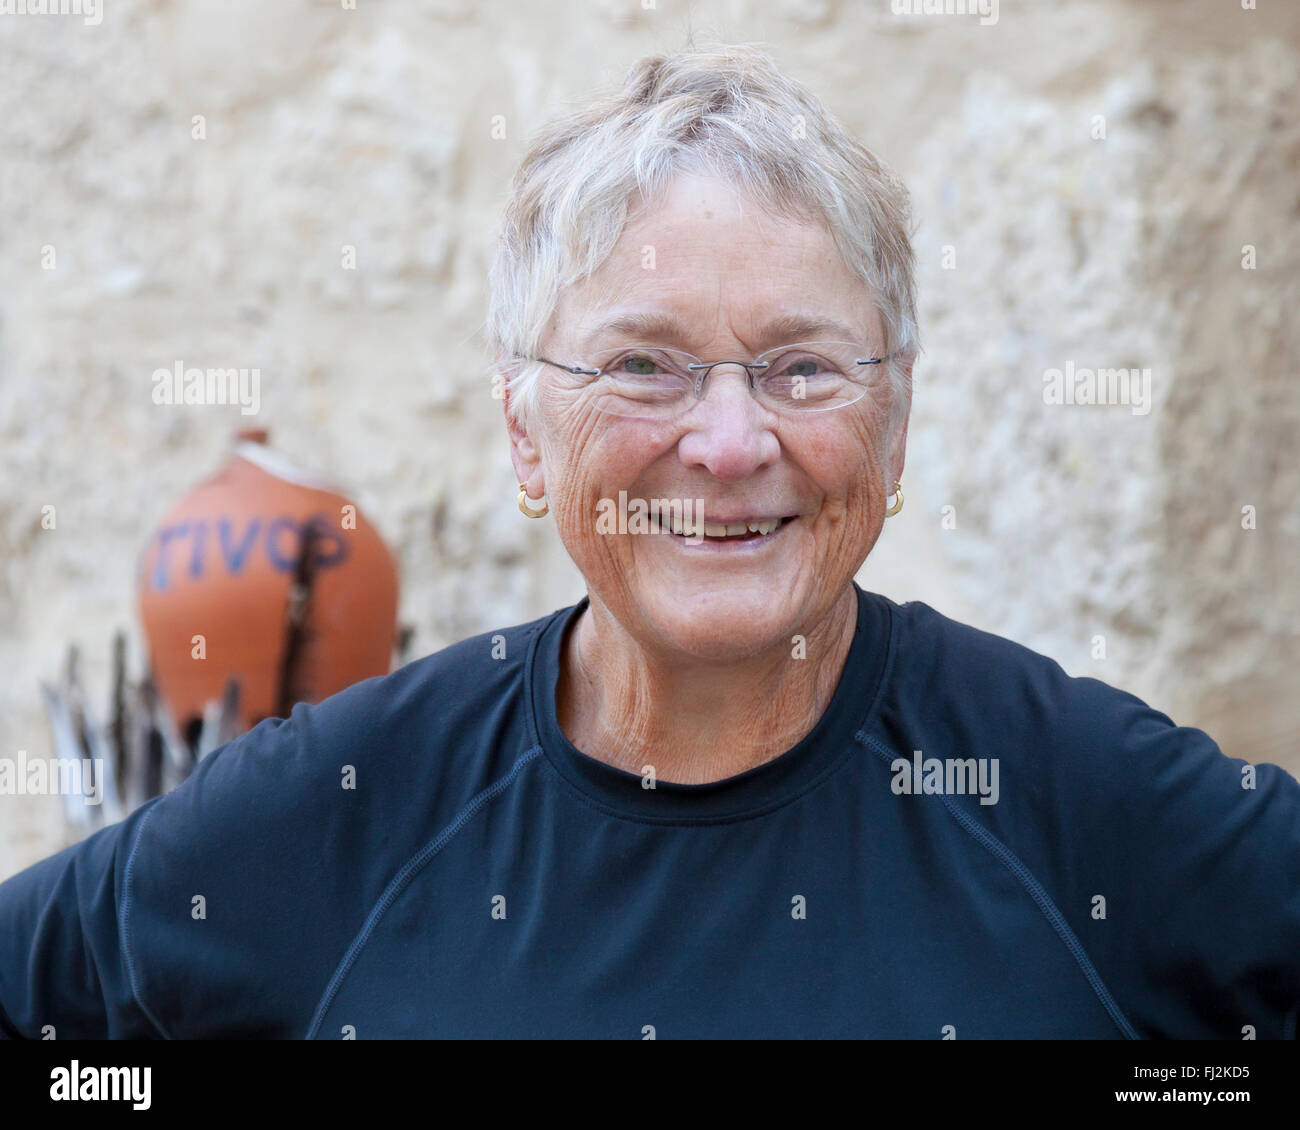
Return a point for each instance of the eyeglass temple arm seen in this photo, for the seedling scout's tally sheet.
(705, 365)
(566, 368)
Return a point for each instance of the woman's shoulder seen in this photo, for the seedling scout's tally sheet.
(451, 692)
(439, 726)
(1023, 698)
(478, 666)
(931, 643)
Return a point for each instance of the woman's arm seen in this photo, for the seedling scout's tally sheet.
(65, 972)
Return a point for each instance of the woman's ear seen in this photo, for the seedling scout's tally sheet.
(899, 455)
(901, 416)
(524, 453)
(527, 461)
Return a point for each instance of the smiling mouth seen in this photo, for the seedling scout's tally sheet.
(749, 530)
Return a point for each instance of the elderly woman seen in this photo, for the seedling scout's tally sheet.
(728, 793)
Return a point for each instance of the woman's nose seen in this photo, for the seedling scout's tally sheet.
(728, 432)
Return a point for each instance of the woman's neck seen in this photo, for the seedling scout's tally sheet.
(692, 721)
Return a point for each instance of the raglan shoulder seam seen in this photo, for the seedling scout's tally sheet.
(1033, 887)
(404, 876)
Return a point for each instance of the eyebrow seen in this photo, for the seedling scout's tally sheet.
(785, 329)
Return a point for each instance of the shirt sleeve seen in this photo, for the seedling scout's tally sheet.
(1197, 857)
(63, 969)
(219, 910)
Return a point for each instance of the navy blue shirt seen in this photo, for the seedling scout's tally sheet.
(426, 854)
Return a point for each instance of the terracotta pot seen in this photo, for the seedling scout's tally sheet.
(223, 565)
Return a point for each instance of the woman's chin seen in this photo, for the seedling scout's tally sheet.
(722, 622)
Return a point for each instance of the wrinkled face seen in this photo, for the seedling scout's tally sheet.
(722, 270)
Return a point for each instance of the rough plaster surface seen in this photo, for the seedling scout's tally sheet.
(373, 128)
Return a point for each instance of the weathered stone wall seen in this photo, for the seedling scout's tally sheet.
(1041, 243)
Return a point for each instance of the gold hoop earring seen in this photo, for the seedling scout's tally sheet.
(898, 490)
(527, 510)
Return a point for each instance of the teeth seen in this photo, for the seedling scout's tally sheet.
(674, 523)
(691, 528)
(730, 529)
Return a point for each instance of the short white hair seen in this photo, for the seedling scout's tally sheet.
(726, 111)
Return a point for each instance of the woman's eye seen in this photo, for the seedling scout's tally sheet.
(639, 366)
(800, 367)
